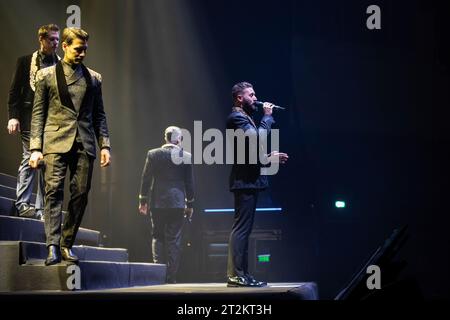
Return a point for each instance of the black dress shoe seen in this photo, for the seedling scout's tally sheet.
(237, 282)
(254, 283)
(68, 255)
(54, 256)
(27, 211)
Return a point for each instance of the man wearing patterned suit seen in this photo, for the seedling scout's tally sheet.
(20, 104)
(171, 197)
(67, 118)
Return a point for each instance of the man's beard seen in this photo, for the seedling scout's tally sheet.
(248, 107)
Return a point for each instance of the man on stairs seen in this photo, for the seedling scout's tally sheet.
(67, 118)
(20, 104)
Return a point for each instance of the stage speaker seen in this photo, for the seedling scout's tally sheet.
(262, 253)
(391, 286)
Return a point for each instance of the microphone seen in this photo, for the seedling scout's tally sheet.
(260, 104)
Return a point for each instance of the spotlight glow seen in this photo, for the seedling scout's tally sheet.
(340, 204)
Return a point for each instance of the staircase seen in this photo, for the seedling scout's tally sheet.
(23, 252)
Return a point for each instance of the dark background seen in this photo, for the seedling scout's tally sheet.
(365, 121)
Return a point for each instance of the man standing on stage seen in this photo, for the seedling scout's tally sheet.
(20, 104)
(67, 118)
(171, 198)
(246, 182)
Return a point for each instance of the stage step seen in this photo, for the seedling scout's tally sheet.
(7, 200)
(7, 206)
(34, 275)
(8, 180)
(25, 229)
(38, 251)
(23, 252)
(7, 192)
(102, 274)
(10, 194)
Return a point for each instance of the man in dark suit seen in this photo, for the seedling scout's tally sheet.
(67, 118)
(20, 104)
(246, 180)
(168, 171)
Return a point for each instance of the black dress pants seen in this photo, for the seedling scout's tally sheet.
(167, 227)
(80, 165)
(244, 215)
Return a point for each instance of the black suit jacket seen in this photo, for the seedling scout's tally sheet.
(247, 175)
(170, 184)
(20, 99)
(55, 123)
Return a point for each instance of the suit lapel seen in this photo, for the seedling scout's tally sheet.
(34, 67)
(63, 90)
(74, 77)
(64, 95)
(239, 109)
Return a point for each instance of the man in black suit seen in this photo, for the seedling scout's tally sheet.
(168, 171)
(20, 104)
(246, 180)
(67, 118)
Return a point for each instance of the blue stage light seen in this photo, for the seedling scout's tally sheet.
(232, 210)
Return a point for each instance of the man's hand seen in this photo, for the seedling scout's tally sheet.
(188, 213)
(268, 108)
(279, 157)
(34, 159)
(143, 209)
(105, 158)
(13, 126)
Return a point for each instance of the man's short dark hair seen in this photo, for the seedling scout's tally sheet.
(69, 34)
(238, 88)
(44, 30)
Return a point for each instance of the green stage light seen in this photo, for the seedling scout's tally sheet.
(340, 204)
(264, 258)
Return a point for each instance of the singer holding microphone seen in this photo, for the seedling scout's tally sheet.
(246, 182)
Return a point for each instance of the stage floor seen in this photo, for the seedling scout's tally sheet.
(189, 291)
